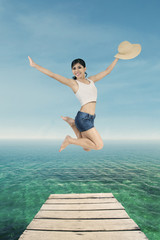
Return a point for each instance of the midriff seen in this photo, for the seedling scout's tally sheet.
(89, 108)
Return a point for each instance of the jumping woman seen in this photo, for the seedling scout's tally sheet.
(85, 90)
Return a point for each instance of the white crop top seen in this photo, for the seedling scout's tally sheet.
(86, 92)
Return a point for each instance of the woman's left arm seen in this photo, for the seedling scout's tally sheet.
(101, 75)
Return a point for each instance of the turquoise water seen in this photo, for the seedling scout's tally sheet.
(32, 170)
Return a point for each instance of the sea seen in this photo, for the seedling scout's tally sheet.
(31, 170)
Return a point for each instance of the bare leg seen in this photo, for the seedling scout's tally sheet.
(83, 142)
(91, 139)
(71, 122)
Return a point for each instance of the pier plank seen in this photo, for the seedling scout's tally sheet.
(68, 207)
(80, 200)
(83, 225)
(47, 235)
(82, 195)
(83, 214)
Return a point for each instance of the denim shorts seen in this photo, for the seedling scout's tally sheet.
(84, 121)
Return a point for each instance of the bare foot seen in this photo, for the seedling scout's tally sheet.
(65, 143)
(69, 120)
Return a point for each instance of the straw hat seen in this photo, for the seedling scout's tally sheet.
(127, 50)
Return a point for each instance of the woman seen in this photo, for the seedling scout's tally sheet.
(84, 88)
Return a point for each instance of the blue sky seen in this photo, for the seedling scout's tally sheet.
(54, 33)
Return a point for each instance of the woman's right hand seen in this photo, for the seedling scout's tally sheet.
(32, 63)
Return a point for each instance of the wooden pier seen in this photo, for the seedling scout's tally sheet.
(82, 217)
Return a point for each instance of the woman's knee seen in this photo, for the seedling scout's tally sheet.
(99, 146)
(93, 136)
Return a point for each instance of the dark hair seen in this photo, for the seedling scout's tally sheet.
(80, 61)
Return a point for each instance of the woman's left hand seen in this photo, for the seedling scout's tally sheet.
(32, 63)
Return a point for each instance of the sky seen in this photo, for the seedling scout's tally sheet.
(54, 33)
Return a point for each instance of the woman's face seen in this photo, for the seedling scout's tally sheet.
(79, 71)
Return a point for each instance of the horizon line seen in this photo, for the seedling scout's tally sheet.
(61, 139)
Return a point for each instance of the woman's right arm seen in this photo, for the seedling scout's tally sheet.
(58, 77)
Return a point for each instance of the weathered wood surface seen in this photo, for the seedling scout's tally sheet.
(83, 225)
(82, 195)
(104, 214)
(82, 217)
(81, 201)
(81, 207)
(49, 235)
